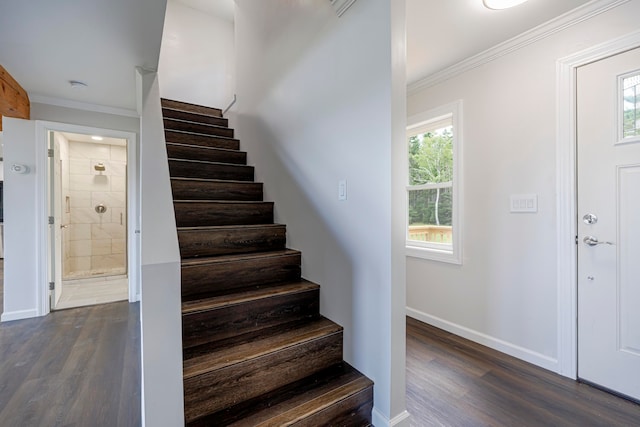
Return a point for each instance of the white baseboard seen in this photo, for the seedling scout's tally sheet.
(379, 420)
(522, 353)
(19, 315)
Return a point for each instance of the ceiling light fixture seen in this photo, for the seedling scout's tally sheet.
(76, 84)
(502, 4)
(96, 138)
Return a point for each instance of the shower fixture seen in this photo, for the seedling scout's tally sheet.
(100, 167)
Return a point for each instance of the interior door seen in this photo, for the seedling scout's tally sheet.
(55, 211)
(608, 129)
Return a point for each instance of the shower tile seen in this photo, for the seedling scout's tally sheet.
(115, 216)
(79, 167)
(88, 150)
(118, 168)
(80, 199)
(84, 216)
(107, 262)
(101, 247)
(107, 230)
(89, 183)
(79, 248)
(78, 231)
(108, 198)
(79, 264)
(118, 183)
(118, 246)
(119, 153)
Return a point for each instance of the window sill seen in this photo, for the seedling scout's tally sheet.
(450, 257)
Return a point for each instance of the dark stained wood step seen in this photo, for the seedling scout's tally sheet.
(233, 374)
(336, 396)
(194, 117)
(208, 189)
(218, 318)
(217, 275)
(210, 154)
(190, 138)
(230, 239)
(201, 128)
(181, 168)
(193, 108)
(190, 213)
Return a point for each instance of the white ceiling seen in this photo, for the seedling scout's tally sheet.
(441, 33)
(46, 43)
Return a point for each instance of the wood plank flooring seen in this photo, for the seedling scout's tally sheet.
(78, 367)
(454, 382)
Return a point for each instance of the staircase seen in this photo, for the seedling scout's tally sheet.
(256, 349)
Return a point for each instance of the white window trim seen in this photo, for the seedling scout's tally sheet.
(451, 254)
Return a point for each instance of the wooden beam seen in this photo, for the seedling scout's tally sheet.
(14, 101)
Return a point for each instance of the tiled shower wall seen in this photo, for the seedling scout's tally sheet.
(96, 243)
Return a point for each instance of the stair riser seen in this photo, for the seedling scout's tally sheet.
(186, 169)
(193, 117)
(223, 276)
(202, 214)
(230, 241)
(177, 105)
(200, 190)
(177, 151)
(251, 316)
(354, 411)
(170, 124)
(202, 140)
(213, 391)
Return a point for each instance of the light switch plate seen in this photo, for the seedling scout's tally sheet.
(524, 203)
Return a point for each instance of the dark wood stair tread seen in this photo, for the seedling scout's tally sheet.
(216, 189)
(175, 113)
(190, 262)
(253, 294)
(227, 356)
(228, 227)
(195, 127)
(194, 108)
(301, 400)
(194, 138)
(200, 152)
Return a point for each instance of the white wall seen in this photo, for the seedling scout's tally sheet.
(315, 100)
(505, 294)
(21, 290)
(197, 57)
(160, 311)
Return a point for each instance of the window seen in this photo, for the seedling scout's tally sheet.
(629, 127)
(434, 190)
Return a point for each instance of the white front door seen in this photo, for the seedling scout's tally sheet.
(608, 129)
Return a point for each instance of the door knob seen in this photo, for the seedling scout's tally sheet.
(593, 241)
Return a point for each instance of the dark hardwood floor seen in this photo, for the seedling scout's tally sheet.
(77, 367)
(454, 382)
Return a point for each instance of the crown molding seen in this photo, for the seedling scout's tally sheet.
(562, 22)
(67, 103)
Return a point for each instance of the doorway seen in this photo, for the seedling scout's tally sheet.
(88, 202)
(86, 256)
(608, 208)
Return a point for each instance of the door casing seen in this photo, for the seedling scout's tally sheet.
(133, 207)
(566, 203)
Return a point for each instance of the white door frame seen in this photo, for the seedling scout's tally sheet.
(133, 206)
(566, 145)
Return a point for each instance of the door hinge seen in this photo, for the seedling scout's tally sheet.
(50, 152)
(52, 285)
(51, 220)
(576, 240)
